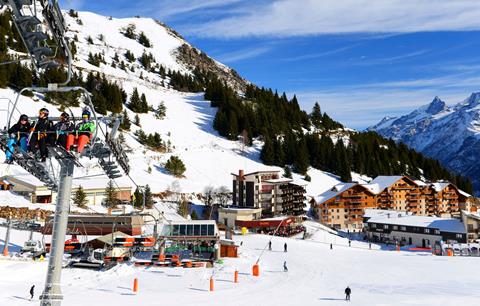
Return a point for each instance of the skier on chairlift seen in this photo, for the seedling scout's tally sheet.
(62, 129)
(38, 138)
(83, 133)
(18, 137)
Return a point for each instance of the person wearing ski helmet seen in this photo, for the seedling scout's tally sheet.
(18, 137)
(38, 138)
(83, 132)
(62, 129)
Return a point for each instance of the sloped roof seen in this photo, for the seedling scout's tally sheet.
(381, 182)
(443, 224)
(336, 190)
(440, 186)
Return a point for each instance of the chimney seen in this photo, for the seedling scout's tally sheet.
(240, 175)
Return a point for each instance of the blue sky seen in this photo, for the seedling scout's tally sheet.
(360, 59)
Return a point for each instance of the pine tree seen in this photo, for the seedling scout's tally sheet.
(175, 166)
(161, 111)
(135, 103)
(267, 155)
(194, 215)
(111, 197)
(126, 123)
(148, 197)
(316, 116)
(287, 172)
(301, 161)
(138, 198)
(136, 120)
(142, 39)
(130, 31)
(279, 152)
(143, 104)
(80, 198)
(129, 56)
(182, 209)
(342, 162)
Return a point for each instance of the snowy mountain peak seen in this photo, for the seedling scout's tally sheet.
(449, 134)
(436, 106)
(473, 100)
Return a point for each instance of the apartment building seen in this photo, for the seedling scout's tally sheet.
(270, 192)
(340, 206)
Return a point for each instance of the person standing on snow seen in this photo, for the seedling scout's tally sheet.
(32, 291)
(285, 269)
(270, 245)
(348, 291)
(285, 247)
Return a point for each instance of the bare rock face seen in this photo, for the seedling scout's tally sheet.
(193, 58)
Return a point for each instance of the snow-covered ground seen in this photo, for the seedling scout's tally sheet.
(316, 276)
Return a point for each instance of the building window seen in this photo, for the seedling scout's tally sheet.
(427, 231)
(437, 232)
(395, 228)
(403, 228)
(373, 225)
(385, 226)
(459, 236)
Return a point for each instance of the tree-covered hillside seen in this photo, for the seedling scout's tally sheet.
(297, 140)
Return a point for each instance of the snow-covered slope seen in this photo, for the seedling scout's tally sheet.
(209, 158)
(450, 134)
(316, 276)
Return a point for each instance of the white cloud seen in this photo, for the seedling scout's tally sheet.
(387, 60)
(241, 54)
(320, 54)
(313, 17)
(171, 8)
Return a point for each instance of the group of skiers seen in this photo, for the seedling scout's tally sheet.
(36, 136)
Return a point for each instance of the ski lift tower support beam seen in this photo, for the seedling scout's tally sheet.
(52, 294)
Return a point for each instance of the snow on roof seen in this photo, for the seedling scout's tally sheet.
(420, 183)
(18, 173)
(443, 224)
(247, 209)
(336, 190)
(99, 182)
(440, 186)
(464, 193)
(377, 213)
(279, 180)
(257, 172)
(475, 215)
(299, 182)
(11, 199)
(381, 182)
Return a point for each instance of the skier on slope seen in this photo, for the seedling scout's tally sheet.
(285, 247)
(348, 291)
(32, 292)
(270, 245)
(285, 269)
